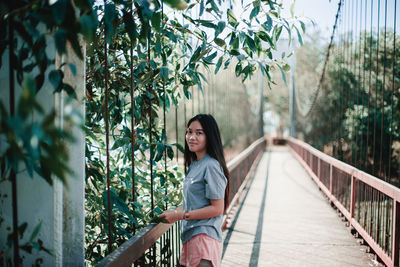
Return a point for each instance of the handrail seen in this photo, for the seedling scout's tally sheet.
(371, 206)
(241, 172)
(134, 248)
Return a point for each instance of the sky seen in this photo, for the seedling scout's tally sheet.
(322, 12)
(355, 14)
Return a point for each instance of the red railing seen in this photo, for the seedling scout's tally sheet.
(240, 171)
(371, 205)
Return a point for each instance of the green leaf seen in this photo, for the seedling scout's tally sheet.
(231, 18)
(268, 24)
(55, 78)
(220, 42)
(176, 4)
(250, 42)
(21, 229)
(299, 36)
(221, 26)
(156, 21)
(180, 147)
(226, 64)
(201, 8)
(110, 14)
(278, 33)
(88, 25)
(157, 211)
(254, 12)
(292, 8)
(286, 67)
(234, 52)
(170, 152)
(58, 10)
(164, 73)
(60, 39)
(195, 55)
(265, 37)
(303, 26)
(130, 26)
(207, 23)
(210, 58)
(219, 63)
(72, 67)
(35, 232)
(283, 74)
(238, 69)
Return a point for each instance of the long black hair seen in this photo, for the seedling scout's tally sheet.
(213, 146)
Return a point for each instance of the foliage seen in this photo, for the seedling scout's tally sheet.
(358, 93)
(31, 140)
(161, 55)
(149, 50)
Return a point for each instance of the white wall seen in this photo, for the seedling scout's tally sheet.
(60, 210)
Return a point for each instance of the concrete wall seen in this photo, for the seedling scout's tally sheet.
(60, 209)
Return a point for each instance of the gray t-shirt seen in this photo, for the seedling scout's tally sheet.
(205, 180)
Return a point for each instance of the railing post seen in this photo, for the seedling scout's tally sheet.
(319, 169)
(396, 233)
(352, 196)
(331, 178)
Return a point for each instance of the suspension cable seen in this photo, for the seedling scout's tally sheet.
(324, 68)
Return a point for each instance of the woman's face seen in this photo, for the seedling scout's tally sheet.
(196, 138)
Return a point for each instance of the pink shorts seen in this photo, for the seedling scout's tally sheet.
(201, 247)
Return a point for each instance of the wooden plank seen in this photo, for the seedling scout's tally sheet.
(134, 248)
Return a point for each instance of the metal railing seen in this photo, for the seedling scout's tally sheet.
(160, 244)
(371, 205)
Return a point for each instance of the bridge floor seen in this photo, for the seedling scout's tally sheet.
(284, 220)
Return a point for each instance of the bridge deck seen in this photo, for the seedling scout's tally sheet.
(284, 220)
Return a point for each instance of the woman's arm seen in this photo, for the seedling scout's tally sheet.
(215, 209)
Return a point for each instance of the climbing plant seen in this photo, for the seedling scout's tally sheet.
(155, 49)
(160, 50)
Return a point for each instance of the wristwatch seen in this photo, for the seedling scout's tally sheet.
(186, 215)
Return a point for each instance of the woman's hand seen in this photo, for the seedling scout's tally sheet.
(171, 216)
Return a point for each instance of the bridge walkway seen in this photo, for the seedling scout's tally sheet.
(285, 220)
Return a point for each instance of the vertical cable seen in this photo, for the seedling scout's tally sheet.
(107, 140)
(13, 176)
(164, 115)
(392, 100)
(204, 99)
(198, 100)
(150, 128)
(369, 168)
(347, 90)
(192, 101)
(338, 105)
(358, 53)
(149, 87)
(341, 92)
(354, 83)
(383, 95)
(133, 134)
(364, 91)
(376, 91)
(359, 90)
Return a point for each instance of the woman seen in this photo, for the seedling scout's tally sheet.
(205, 193)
